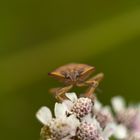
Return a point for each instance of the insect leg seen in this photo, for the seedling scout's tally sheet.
(99, 77)
(59, 92)
(91, 89)
(81, 84)
(93, 84)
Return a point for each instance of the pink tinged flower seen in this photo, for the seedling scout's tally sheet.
(93, 123)
(80, 107)
(128, 116)
(136, 123)
(103, 114)
(88, 131)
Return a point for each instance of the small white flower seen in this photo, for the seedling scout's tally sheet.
(57, 128)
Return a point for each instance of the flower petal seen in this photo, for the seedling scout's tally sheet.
(73, 123)
(118, 104)
(68, 104)
(121, 132)
(72, 96)
(73, 120)
(60, 110)
(109, 130)
(97, 105)
(87, 118)
(44, 115)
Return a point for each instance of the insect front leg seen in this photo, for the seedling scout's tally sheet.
(59, 92)
(93, 84)
(91, 90)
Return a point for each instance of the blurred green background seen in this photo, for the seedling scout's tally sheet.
(38, 36)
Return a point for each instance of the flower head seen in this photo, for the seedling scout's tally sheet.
(128, 117)
(57, 128)
(76, 119)
(90, 129)
(79, 106)
(103, 114)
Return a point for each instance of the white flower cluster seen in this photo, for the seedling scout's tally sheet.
(76, 119)
(86, 119)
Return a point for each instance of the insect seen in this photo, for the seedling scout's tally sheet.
(75, 75)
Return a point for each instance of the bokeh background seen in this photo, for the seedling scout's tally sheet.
(38, 36)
